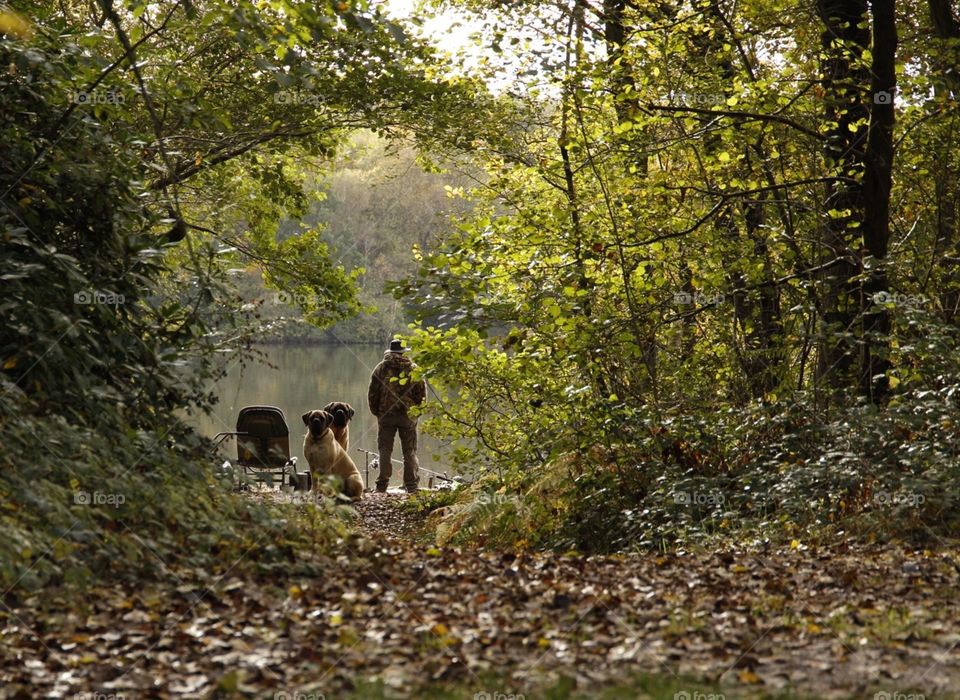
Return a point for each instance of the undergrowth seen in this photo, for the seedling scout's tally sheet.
(84, 504)
(761, 473)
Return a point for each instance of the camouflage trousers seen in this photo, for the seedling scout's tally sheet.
(387, 428)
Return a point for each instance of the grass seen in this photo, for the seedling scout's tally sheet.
(646, 686)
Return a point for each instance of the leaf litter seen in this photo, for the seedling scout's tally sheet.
(834, 621)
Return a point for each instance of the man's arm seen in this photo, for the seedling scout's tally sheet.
(374, 392)
(418, 392)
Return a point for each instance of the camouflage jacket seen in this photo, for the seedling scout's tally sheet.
(392, 390)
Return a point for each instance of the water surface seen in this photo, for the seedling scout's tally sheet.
(308, 377)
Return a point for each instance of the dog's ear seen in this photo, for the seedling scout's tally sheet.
(329, 407)
(306, 418)
(326, 418)
(350, 410)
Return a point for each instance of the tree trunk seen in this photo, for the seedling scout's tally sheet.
(947, 172)
(877, 177)
(845, 108)
(859, 151)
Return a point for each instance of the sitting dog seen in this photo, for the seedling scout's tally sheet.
(325, 455)
(342, 413)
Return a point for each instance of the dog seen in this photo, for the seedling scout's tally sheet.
(342, 413)
(325, 455)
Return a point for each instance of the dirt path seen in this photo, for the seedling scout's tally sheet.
(839, 622)
(844, 622)
(382, 517)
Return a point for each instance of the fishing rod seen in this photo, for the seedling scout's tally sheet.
(376, 465)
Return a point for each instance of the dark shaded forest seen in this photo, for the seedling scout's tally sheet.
(682, 278)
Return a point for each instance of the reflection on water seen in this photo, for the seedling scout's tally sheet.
(306, 378)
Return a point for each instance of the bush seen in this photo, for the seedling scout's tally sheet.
(102, 348)
(84, 505)
(623, 476)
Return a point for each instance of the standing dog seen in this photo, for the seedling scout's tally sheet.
(325, 455)
(342, 413)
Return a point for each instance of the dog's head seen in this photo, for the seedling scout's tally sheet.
(317, 422)
(341, 412)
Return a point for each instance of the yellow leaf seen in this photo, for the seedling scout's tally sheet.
(12, 23)
(543, 642)
(230, 683)
(795, 544)
(336, 619)
(748, 676)
(10, 363)
(88, 659)
(433, 552)
(295, 591)
(440, 630)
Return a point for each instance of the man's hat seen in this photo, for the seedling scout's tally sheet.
(397, 346)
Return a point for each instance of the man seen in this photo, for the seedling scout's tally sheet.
(392, 393)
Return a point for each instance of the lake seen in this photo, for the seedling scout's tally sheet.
(308, 377)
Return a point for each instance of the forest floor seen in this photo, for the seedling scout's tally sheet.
(394, 616)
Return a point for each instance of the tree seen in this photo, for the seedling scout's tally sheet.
(149, 149)
(860, 87)
(712, 209)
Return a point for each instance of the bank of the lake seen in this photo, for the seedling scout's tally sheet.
(304, 377)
